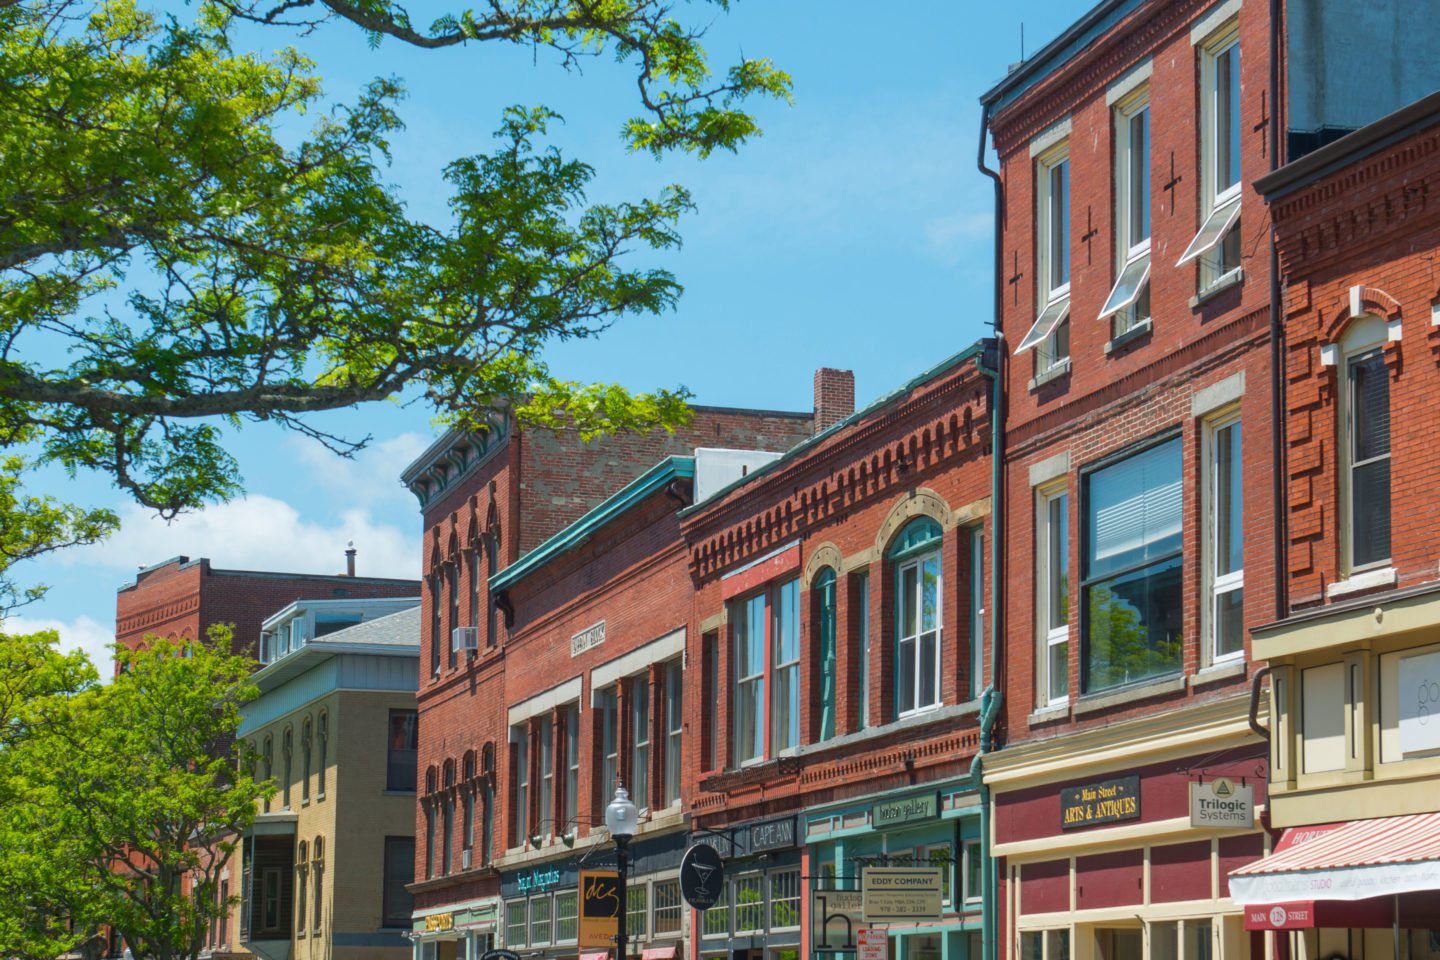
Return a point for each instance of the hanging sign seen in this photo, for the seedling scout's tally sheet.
(599, 907)
(900, 893)
(499, 955)
(836, 918)
(1419, 701)
(1103, 802)
(702, 876)
(872, 944)
(1222, 803)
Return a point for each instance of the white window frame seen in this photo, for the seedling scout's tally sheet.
(1363, 337)
(681, 908)
(1219, 207)
(524, 907)
(1048, 634)
(1132, 251)
(756, 679)
(574, 918)
(1216, 584)
(609, 706)
(571, 712)
(768, 888)
(763, 906)
(1054, 299)
(520, 736)
(641, 729)
(970, 849)
(549, 922)
(674, 731)
(545, 822)
(925, 857)
(918, 562)
(785, 674)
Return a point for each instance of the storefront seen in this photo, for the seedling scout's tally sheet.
(541, 902)
(759, 915)
(457, 931)
(1101, 854)
(936, 827)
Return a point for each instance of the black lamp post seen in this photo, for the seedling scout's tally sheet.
(621, 819)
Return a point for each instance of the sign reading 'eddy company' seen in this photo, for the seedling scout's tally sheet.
(1103, 802)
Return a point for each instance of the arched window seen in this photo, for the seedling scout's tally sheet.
(823, 608)
(473, 561)
(452, 583)
(305, 761)
(1364, 418)
(302, 890)
(323, 735)
(317, 874)
(430, 780)
(490, 571)
(915, 555)
(287, 748)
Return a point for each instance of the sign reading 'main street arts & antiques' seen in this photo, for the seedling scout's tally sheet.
(1103, 802)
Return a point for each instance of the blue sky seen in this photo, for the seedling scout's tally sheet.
(855, 233)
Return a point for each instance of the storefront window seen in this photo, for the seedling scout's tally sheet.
(749, 904)
(540, 920)
(515, 924)
(939, 855)
(716, 922)
(567, 911)
(1048, 945)
(784, 899)
(1125, 943)
(667, 907)
(974, 864)
(635, 911)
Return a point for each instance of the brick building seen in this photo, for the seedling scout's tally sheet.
(1355, 657)
(1140, 531)
(835, 663)
(182, 598)
(489, 500)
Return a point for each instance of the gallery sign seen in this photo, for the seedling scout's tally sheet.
(900, 894)
(1104, 802)
(890, 813)
(1222, 803)
(836, 919)
(1419, 701)
(599, 907)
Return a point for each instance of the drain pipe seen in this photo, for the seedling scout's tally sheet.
(993, 697)
(1277, 335)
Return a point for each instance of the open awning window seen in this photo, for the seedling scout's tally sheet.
(1129, 285)
(1213, 230)
(1054, 312)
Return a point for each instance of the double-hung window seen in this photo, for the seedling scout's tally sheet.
(640, 755)
(824, 607)
(1224, 493)
(785, 647)
(1217, 243)
(1053, 596)
(474, 570)
(520, 737)
(1129, 300)
(1050, 334)
(609, 744)
(1366, 506)
(402, 750)
(765, 628)
(674, 730)
(435, 624)
(916, 556)
(546, 748)
(862, 649)
(452, 579)
(572, 766)
(749, 630)
(1132, 569)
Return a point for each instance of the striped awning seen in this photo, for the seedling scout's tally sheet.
(1353, 860)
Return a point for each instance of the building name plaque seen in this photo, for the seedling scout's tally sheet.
(909, 810)
(590, 637)
(1104, 802)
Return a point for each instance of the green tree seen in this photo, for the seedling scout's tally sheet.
(126, 802)
(170, 267)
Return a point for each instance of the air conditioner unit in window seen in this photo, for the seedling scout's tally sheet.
(465, 854)
(465, 638)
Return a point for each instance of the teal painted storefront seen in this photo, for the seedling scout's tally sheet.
(935, 826)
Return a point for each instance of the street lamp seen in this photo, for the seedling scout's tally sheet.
(621, 819)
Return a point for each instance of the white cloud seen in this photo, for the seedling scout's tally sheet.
(260, 533)
(95, 639)
(371, 476)
(948, 236)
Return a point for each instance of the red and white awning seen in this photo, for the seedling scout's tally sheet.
(1355, 860)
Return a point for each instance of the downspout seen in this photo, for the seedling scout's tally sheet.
(992, 697)
(1277, 333)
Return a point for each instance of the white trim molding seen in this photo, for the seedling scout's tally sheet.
(1049, 137)
(1213, 21)
(656, 651)
(547, 701)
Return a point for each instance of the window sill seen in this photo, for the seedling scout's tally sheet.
(1218, 671)
(1094, 703)
(1232, 279)
(397, 793)
(1055, 372)
(1360, 582)
(1049, 714)
(1121, 341)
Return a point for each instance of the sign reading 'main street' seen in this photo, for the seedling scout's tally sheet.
(1103, 802)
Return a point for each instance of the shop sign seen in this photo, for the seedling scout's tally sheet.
(599, 907)
(1280, 916)
(909, 810)
(1419, 685)
(1104, 802)
(872, 944)
(537, 880)
(439, 921)
(772, 835)
(900, 893)
(702, 876)
(499, 955)
(1222, 803)
(590, 637)
(836, 918)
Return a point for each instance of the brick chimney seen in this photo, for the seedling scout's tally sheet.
(834, 397)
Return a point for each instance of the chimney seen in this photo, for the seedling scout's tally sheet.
(350, 558)
(834, 397)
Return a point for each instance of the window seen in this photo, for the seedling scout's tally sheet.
(539, 921)
(1129, 300)
(1055, 945)
(749, 904)
(452, 575)
(785, 641)
(609, 743)
(784, 899)
(515, 915)
(572, 766)
(225, 914)
(267, 764)
(710, 646)
(749, 626)
(674, 730)
(940, 856)
(447, 833)
(1217, 243)
(487, 824)
(974, 865)
(402, 753)
(1366, 454)
(636, 910)
(545, 735)
(1225, 539)
(520, 736)
(1051, 330)
(490, 607)
(288, 749)
(270, 899)
(862, 648)
(1053, 595)
(567, 914)
(435, 636)
(716, 922)
(323, 736)
(302, 890)
(667, 907)
(317, 875)
(977, 607)
(640, 756)
(824, 606)
(305, 728)
(429, 840)
(1132, 579)
(473, 557)
(467, 826)
(916, 554)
